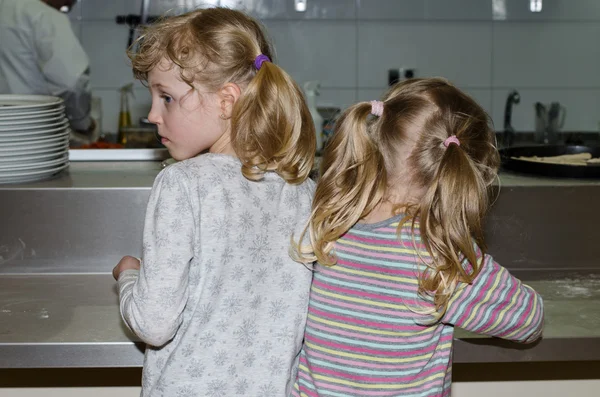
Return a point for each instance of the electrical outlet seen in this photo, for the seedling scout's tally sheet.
(407, 73)
(395, 75)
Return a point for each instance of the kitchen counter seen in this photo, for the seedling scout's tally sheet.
(141, 174)
(72, 320)
(58, 303)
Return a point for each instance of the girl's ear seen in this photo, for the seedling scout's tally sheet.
(228, 96)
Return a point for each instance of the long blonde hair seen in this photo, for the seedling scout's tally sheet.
(271, 126)
(361, 157)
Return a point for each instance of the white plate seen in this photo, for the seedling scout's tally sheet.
(118, 154)
(29, 115)
(31, 122)
(25, 139)
(39, 142)
(6, 136)
(64, 122)
(46, 164)
(30, 176)
(28, 103)
(34, 158)
(33, 149)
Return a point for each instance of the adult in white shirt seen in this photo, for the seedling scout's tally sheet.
(40, 54)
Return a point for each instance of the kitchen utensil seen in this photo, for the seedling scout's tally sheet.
(556, 117)
(541, 121)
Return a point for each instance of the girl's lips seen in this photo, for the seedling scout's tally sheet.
(164, 140)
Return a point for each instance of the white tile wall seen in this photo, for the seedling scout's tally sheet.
(483, 96)
(433, 49)
(555, 10)
(159, 7)
(546, 54)
(109, 9)
(337, 97)
(285, 9)
(391, 9)
(463, 10)
(105, 43)
(307, 50)
(486, 47)
(370, 94)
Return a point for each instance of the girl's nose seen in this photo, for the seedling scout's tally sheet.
(154, 116)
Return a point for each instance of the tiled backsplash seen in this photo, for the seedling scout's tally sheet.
(487, 47)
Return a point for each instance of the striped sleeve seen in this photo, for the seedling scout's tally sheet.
(497, 304)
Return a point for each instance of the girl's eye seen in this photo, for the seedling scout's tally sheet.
(166, 98)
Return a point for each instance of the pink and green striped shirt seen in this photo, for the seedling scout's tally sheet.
(363, 335)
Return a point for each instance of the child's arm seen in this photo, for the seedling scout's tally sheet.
(152, 299)
(497, 304)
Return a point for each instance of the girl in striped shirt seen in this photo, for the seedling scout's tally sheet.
(396, 229)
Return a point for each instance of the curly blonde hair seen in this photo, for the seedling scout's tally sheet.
(361, 157)
(271, 126)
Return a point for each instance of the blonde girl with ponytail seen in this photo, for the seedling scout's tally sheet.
(217, 299)
(396, 229)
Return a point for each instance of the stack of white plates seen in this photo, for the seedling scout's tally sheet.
(34, 138)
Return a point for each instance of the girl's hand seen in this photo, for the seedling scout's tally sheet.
(126, 263)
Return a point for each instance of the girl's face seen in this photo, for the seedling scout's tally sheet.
(188, 122)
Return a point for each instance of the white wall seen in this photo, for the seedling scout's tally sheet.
(487, 47)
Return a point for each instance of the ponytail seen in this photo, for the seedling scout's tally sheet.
(271, 127)
(451, 212)
(352, 183)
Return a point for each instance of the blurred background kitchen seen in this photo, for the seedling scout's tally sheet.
(545, 49)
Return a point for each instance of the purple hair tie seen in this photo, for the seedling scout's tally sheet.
(259, 60)
(451, 139)
(376, 108)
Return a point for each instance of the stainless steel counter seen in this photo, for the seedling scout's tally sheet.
(72, 320)
(59, 240)
(141, 174)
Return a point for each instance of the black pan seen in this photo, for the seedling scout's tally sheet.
(511, 163)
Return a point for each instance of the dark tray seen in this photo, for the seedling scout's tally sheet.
(552, 170)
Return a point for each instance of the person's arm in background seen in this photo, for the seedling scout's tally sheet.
(65, 65)
(497, 304)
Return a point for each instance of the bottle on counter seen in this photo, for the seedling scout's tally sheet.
(124, 113)
(96, 115)
(311, 90)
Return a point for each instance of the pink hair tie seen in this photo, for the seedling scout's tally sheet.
(451, 139)
(376, 108)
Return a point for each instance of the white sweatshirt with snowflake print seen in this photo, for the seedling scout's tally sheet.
(218, 299)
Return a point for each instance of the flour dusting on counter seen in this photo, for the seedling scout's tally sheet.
(584, 287)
